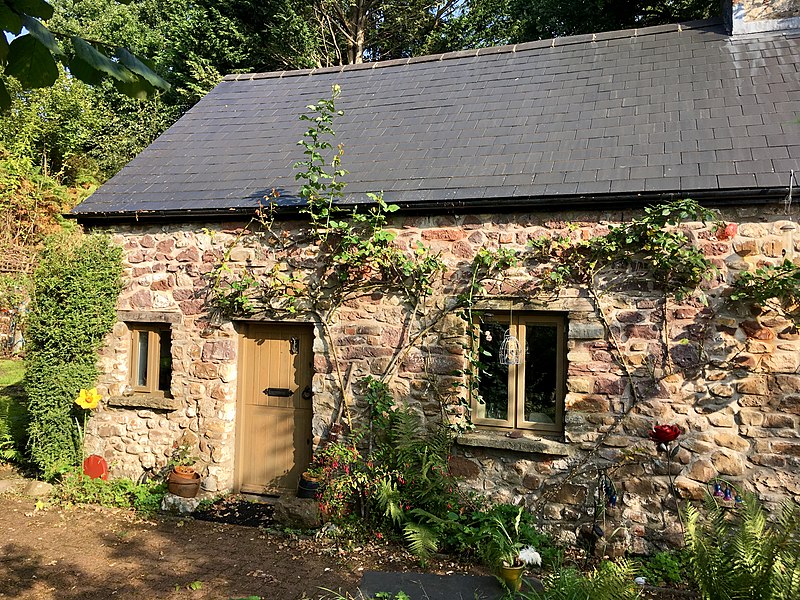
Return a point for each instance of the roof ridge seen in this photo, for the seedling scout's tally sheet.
(557, 42)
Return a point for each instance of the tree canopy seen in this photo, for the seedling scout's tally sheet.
(34, 49)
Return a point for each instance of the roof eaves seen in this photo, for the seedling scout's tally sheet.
(493, 205)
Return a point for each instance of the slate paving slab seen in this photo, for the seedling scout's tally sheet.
(427, 586)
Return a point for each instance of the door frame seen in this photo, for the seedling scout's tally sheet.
(241, 331)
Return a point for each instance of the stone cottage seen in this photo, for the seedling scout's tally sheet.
(480, 149)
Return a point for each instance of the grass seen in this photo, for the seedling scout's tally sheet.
(12, 408)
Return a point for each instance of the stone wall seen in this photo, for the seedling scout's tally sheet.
(727, 376)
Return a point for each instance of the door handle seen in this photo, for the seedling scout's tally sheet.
(307, 393)
(282, 392)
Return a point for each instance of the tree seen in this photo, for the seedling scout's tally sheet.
(31, 55)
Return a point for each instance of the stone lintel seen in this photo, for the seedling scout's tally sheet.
(586, 331)
(526, 443)
(144, 401)
(146, 316)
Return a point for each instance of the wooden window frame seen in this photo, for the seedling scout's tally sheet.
(154, 332)
(516, 376)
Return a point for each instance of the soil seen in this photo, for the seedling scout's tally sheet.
(91, 552)
(236, 511)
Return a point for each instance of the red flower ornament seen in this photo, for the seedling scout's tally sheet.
(727, 231)
(663, 434)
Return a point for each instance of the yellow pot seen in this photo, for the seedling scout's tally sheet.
(512, 576)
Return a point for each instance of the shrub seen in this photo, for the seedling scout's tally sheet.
(73, 307)
(77, 488)
(663, 568)
(739, 553)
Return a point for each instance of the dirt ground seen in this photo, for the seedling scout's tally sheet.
(95, 552)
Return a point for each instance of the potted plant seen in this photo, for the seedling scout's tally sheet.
(508, 553)
(310, 481)
(183, 479)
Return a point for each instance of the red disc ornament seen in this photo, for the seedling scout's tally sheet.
(95, 466)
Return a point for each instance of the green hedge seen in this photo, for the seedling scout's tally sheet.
(75, 293)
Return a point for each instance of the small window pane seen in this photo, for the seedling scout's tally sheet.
(141, 369)
(493, 380)
(164, 362)
(541, 372)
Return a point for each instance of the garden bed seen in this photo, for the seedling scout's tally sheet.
(237, 511)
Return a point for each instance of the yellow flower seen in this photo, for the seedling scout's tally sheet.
(88, 399)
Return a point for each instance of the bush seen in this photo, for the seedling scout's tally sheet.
(739, 553)
(77, 488)
(73, 307)
(663, 568)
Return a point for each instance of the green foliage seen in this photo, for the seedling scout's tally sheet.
(496, 533)
(30, 202)
(13, 418)
(76, 488)
(402, 469)
(769, 283)
(14, 290)
(481, 23)
(654, 243)
(610, 581)
(663, 568)
(53, 124)
(740, 553)
(73, 308)
(31, 56)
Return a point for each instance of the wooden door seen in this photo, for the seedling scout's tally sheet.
(274, 417)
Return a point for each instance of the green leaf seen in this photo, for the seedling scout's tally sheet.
(5, 98)
(31, 63)
(138, 88)
(34, 8)
(139, 68)
(89, 64)
(42, 33)
(9, 20)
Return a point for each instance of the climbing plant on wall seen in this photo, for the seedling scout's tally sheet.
(354, 255)
(73, 307)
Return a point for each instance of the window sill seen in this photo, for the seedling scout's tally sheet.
(526, 443)
(144, 401)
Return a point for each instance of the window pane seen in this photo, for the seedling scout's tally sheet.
(141, 368)
(541, 364)
(493, 385)
(164, 362)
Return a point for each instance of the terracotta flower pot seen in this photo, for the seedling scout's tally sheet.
(512, 576)
(185, 471)
(183, 486)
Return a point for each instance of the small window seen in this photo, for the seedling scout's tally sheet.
(528, 393)
(151, 359)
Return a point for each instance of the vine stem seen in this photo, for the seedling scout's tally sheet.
(339, 375)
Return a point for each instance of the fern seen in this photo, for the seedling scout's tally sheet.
(389, 500)
(422, 540)
(611, 581)
(739, 554)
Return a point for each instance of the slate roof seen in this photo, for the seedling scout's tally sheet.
(678, 109)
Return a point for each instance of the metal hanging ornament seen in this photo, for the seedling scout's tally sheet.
(510, 353)
(509, 349)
